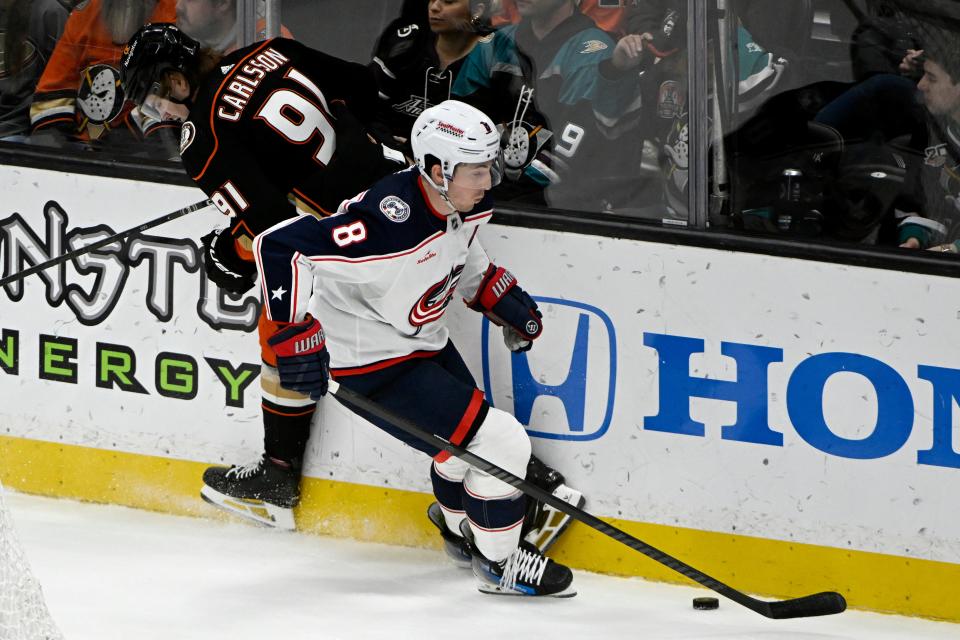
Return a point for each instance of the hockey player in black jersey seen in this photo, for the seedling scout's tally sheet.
(389, 263)
(268, 130)
(272, 123)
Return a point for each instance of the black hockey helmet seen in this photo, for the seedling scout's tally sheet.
(154, 49)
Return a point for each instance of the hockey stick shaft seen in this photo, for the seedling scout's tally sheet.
(818, 604)
(93, 246)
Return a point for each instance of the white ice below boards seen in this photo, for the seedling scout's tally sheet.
(110, 573)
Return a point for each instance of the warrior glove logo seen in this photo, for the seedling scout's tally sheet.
(308, 344)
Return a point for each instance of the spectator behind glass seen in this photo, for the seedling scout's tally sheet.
(415, 63)
(935, 222)
(213, 23)
(79, 96)
(610, 15)
(562, 89)
(29, 30)
(881, 105)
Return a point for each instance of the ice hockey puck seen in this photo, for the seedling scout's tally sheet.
(705, 604)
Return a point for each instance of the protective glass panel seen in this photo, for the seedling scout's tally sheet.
(592, 112)
(838, 121)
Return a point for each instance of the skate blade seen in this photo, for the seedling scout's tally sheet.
(262, 513)
(495, 590)
(556, 522)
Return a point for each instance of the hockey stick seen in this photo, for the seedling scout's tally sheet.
(20, 275)
(818, 604)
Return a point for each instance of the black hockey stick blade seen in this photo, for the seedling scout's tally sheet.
(173, 215)
(818, 604)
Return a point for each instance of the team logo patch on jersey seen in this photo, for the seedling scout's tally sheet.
(100, 96)
(592, 46)
(395, 209)
(187, 134)
(432, 304)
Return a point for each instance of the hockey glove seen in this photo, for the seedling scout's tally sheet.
(302, 358)
(224, 267)
(357, 148)
(507, 305)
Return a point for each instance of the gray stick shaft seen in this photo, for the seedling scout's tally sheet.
(817, 604)
(20, 275)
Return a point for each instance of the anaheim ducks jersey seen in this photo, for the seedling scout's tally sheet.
(378, 275)
(79, 90)
(260, 134)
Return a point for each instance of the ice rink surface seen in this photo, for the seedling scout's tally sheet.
(110, 573)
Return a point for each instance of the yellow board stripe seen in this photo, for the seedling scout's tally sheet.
(774, 568)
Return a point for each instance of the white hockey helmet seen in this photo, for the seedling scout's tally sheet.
(454, 133)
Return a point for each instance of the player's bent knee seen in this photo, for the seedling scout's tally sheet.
(502, 440)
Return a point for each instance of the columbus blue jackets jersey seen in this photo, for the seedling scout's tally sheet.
(260, 133)
(378, 275)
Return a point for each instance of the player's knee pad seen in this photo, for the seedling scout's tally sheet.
(504, 442)
(452, 469)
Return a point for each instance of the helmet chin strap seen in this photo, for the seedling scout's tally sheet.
(443, 192)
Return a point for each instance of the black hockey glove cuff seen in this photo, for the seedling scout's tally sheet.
(363, 147)
(224, 267)
(506, 304)
(303, 362)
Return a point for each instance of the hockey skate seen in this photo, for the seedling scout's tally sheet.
(526, 572)
(455, 546)
(261, 491)
(544, 524)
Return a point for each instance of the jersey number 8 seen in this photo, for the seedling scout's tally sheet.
(349, 233)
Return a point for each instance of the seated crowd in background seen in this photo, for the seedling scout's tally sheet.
(590, 97)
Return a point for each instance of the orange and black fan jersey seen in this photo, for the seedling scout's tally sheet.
(260, 133)
(80, 89)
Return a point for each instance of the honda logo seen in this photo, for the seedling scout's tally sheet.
(564, 388)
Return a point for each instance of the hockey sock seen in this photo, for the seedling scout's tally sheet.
(447, 479)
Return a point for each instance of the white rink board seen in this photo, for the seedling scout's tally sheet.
(867, 491)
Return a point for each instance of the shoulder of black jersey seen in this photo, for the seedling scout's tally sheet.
(402, 40)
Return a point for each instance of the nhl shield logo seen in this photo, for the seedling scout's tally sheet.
(395, 209)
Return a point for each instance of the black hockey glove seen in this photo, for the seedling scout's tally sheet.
(507, 305)
(302, 358)
(224, 267)
(359, 148)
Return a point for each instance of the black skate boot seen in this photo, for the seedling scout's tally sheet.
(262, 491)
(455, 546)
(544, 524)
(526, 572)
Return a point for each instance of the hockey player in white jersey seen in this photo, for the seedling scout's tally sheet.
(386, 267)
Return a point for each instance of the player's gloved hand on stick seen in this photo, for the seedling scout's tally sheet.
(302, 358)
(501, 299)
(224, 267)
